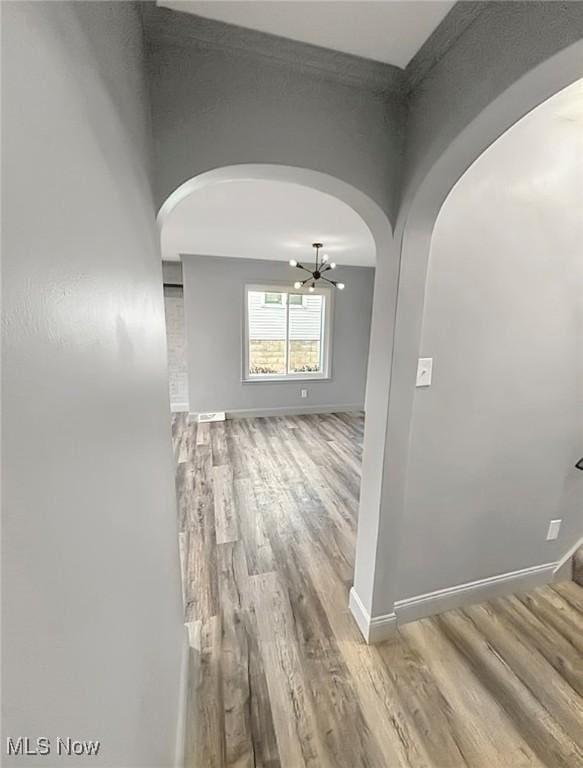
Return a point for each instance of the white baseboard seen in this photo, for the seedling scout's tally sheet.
(373, 630)
(178, 407)
(382, 627)
(359, 613)
(292, 410)
(422, 606)
(182, 702)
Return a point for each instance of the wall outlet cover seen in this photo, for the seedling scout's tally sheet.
(424, 371)
(303, 392)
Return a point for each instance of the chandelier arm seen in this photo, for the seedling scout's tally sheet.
(332, 282)
(299, 266)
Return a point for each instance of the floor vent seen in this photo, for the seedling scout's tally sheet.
(217, 416)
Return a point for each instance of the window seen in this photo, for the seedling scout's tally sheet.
(286, 333)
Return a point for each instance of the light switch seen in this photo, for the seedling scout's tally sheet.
(424, 369)
(553, 531)
(303, 392)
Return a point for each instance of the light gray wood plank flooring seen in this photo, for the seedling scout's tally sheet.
(280, 676)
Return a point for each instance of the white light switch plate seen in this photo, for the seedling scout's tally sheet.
(553, 531)
(424, 370)
(303, 392)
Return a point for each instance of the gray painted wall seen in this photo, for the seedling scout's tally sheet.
(215, 106)
(172, 272)
(529, 51)
(505, 39)
(495, 438)
(90, 589)
(214, 294)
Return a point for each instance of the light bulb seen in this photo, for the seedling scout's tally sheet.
(297, 285)
(340, 286)
(325, 257)
(293, 263)
(311, 289)
(332, 265)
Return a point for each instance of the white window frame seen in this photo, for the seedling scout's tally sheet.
(326, 341)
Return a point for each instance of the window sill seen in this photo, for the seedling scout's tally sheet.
(284, 379)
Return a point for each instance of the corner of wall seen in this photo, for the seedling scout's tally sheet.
(375, 629)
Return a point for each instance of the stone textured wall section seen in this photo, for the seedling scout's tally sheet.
(176, 341)
(269, 354)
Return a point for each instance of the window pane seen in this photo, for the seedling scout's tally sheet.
(305, 336)
(267, 327)
(274, 298)
(295, 299)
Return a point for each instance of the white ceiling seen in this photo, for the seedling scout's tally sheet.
(266, 220)
(391, 31)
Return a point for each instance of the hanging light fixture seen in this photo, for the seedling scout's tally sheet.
(323, 264)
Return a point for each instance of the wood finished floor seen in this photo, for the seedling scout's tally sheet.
(279, 674)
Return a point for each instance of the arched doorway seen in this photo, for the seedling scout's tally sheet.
(380, 349)
(425, 193)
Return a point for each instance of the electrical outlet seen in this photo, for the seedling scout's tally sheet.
(304, 392)
(554, 527)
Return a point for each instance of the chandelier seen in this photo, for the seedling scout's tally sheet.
(322, 266)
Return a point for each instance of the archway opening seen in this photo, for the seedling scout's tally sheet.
(414, 230)
(499, 431)
(358, 234)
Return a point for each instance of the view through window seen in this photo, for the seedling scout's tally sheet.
(286, 333)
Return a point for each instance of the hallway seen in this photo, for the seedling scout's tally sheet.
(224, 157)
(279, 672)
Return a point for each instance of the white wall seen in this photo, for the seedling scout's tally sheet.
(90, 589)
(214, 293)
(495, 438)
